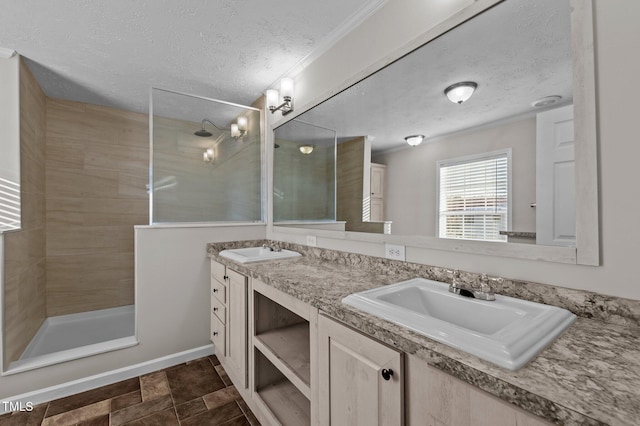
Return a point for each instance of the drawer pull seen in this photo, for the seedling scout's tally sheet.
(215, 290)
(215, 333)
(215, 309)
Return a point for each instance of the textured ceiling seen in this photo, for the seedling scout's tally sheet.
(111, 52)
(517, 52)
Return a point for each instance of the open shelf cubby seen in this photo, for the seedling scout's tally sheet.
(287, 404)
(283, 338)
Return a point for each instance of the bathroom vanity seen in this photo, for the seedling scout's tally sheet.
(298, 355)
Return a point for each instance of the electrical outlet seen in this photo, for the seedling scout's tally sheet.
(311, 240)
(392, 251)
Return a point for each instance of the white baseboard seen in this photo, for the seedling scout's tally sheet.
(107, 378)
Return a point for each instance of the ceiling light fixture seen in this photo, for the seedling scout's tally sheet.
(273, 97)
(414, 140)
(546, 101)
(460, 92)
(306, 149)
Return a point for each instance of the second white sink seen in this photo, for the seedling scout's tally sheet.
(507, 331)
(257, 254)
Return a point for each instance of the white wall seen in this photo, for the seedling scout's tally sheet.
(172, 304)
(419, 165)
(617, 37)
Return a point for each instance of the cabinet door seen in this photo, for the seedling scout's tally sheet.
(236, 364)
(352, 388)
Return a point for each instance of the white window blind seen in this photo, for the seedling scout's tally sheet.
(474, 197)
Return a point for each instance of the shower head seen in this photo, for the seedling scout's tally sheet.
(203, 133)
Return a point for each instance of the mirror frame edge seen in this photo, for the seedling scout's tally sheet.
(587, 250)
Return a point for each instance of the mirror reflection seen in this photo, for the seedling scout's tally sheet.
(469, 137)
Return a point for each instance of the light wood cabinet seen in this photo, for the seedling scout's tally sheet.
(229, 321)
(296, 367)
(435, 398)
(360, 379)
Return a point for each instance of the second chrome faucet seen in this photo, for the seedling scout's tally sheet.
(484, 291)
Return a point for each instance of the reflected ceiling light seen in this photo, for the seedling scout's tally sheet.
(414, 140)
(208, 156)
(273, 97)
(546, 101)
(306, 149)
(460, 92)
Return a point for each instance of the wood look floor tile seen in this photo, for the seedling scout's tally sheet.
(191, 408)
(217, 416)
(154, 385)
(214, 360)
(223, 375)
(79, 415)
(138, 411)
(161, 418)
(98, 421)
(26, 418)
(221, 397)
(238, 421)
(92, 396)
(192, 380)
(253, 420)
(126, 400)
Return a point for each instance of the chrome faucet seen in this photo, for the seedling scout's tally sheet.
(484, 293)
(270, 248)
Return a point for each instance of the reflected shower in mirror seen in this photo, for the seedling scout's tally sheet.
(206, 160)
(518, 56)
(304, 181)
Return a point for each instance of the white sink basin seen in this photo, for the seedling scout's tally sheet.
(257, 254)
(507, 331)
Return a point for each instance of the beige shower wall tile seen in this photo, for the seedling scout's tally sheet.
(65, 153)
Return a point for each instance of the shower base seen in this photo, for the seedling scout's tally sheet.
(66, 337)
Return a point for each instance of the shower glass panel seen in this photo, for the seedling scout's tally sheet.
(206, 160)
(304, 173)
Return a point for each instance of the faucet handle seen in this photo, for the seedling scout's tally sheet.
(455, 277)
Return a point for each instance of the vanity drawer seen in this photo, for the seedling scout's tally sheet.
(218, 336)
(219, 291)
(218, 309)
(217, 271)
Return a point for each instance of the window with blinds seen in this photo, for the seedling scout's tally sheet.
(474, 194)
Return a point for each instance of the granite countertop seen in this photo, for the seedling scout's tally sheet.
(590, 375)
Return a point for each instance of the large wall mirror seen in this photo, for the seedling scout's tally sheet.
(510, 171)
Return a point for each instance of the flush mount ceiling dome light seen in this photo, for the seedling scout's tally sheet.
(414, 140)
(460, 92)
(546, 101)
(306, 149)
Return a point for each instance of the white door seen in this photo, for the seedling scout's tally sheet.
(555, 178)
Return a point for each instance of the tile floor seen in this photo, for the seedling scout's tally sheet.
(197, 393)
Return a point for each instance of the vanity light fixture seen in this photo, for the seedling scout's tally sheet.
(208, 155)
(306, 149)
(414, 140)
(239, 129)
(273, 97)
(460, 92)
